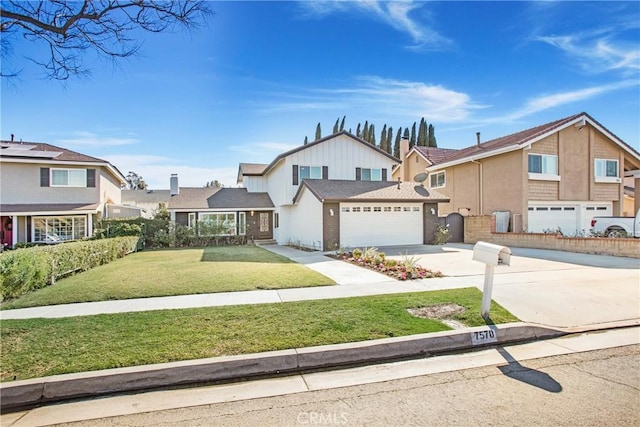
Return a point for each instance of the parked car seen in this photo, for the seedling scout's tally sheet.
(617, 226)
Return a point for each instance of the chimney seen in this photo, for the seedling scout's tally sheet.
(174, 190)
(478, 138)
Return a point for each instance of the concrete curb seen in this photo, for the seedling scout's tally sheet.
(33, 392)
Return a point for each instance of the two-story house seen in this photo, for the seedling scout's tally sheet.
(554, 176)
(49, 194)
(337, 191)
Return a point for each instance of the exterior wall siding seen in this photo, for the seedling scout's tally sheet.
(330, 226)
(543, 190)
(606, 192)
(255, 184)
(306, 222)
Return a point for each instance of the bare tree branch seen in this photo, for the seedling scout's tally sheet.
(71, 28)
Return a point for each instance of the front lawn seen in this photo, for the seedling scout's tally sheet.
(177, 272)
(42, 347)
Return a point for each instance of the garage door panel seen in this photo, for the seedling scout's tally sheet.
(571, 219)
(381, 228)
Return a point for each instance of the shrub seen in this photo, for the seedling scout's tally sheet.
(28, 269)
(441, 236)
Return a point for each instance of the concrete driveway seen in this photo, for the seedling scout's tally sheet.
(542, 286)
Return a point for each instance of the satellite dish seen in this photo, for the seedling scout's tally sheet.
(421, 177)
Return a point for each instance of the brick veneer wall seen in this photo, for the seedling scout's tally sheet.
(480, 228)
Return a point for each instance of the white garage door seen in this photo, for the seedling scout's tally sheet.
(572, 218)
(548, 218)
(376, 224)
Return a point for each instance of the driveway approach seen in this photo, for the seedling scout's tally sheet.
(548, 287)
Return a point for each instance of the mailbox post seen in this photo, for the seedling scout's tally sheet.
(491, 255)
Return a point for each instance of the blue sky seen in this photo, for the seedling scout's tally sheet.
(259, 76)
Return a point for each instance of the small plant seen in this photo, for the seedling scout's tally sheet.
(357, 253)
(442, 235)
(405, 269)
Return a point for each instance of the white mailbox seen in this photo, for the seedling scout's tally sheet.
(491, 254)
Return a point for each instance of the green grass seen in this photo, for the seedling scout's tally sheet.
(42, 347)
(177, 272)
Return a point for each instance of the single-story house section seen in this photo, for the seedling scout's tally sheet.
(232, 211)
(330, 214)
(148, 202)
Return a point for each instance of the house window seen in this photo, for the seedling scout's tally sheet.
(366, 209)
(68, 177)
(371, 174)
(606, 170)
(438, 180)
(217, 224)
(344, 209)
(242, 223)
(59, 228)
(192, 220)
(397, 209)
(356, 209)
(310, 172)
(416, 209)
(377, 209)
(387, 208)
(406, 209)
(543, 164)
(276, 220)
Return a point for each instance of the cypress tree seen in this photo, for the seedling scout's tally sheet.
(383, 137)
(422, 133)
(396, 145)
(406, 133)
(358, 134)
(306, 140)
(412, 139)
(335, 127)
(372, 134)
(432, 137)
(365, 130)
(342, 124)
(388, 148)
(318, 132)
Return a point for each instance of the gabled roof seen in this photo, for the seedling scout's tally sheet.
(51, 208)
(39, 152)
(218, 198)
(250, 169)
(368, 191)
(145, 196)
(434, 154)
(524, 138)
(267, 168)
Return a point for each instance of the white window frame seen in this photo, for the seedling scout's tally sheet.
(600, 165)
(276, 220)
(69, 172)
(77, 233)
(438, 184)
(315, 172)
(372, 174)
(545, 174)
(229, 231)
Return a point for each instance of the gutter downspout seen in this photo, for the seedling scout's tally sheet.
(481, 210)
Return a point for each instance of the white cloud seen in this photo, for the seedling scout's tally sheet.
(549, 101)
(89, 139)
(388, 98)
(156, 170)
(596, 52)
(396, 14)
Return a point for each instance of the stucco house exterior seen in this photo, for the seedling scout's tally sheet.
(554, 176)
(337, 191)
(50, 194)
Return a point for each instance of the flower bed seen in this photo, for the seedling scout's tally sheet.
(370, 258)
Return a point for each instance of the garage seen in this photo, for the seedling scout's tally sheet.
(571, 218)
(381, 224)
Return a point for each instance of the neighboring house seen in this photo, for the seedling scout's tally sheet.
(336, 192)
(417, 159)
(148, 202)
(49, 194)
(554, 176)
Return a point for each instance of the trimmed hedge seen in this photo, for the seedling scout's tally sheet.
(28, 269)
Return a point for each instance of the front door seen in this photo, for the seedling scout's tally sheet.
(6, 231)
(264, 232)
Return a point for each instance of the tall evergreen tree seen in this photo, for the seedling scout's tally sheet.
(372, 134)
(412, 138)
(365, 130)
(306, 140)
(396, 145)
(422, 133)
(335, 127)
(383, 137)
(318, 132)
(342, 124)
(388, 148)
(358, 134)
(431, 140)
(406, 133)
